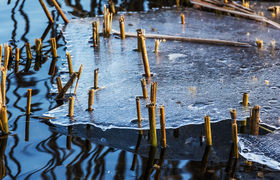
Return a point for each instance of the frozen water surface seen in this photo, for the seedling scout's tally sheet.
(262, 149)
(193, 79)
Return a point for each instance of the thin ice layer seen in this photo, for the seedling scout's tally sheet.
(261, 149)
(193, 79)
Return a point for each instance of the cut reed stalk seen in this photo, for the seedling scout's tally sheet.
(3, 85)
(95, 33)
(17, 60)
(71, 107)
(182, 18)
(153, 96)
(60, 11)
(70, 67)
(80, 72)
(144, 89)
(53, 47)
(139, 32)
(256, 120)
(59, 84)
(6, 56)
(95, 78)
(157, 42)
(259, 43)
(145, 56)
(67, 86)
(162, 126)
(90, 99)
(234, 140)
(208, 130)
(245, 99)
(4, 120)
(152, 122)
(46, 11)
(28, 106)
(138, 108)
(121, 22)
(233, 115)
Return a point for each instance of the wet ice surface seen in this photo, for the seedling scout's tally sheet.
(217, 75)
(262, 149)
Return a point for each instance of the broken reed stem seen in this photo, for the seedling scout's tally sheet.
(182, 18)
(255, 120)
(46, 11)
(28, 107)
(162, 126)
(38, 47)
(138, 108)
(208, 130)
(145, 56)
(53, 47)
(67, 86)
(71, 107)
(28, 51)
(4, 120)
(122, 31)
(59, 84)
(144, 89)
(60, 11)
(3, 84)
(6, 56)
(153, 96)
(152, 121)
(245, 99)
(95, 78)
(233, 115)
(234, 140)
(139, 32)
(157, 42)
(70, 67)
(80, 72)
(90, 99)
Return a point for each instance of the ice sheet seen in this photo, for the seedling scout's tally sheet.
(261, 149)
(193, 79)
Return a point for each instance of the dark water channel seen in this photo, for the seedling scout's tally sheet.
(39, 150)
